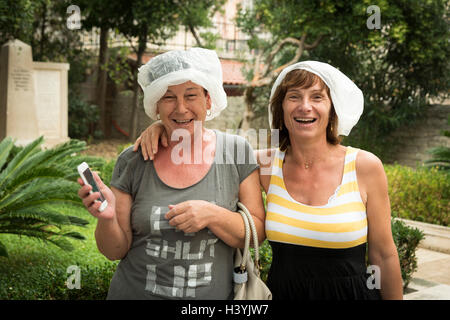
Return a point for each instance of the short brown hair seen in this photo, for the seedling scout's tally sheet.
(303, 79)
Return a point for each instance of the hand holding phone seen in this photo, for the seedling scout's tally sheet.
(88, 178)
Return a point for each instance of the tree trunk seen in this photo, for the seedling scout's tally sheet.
(196, 37)
(105, 114)
(135, 108)
(43, 40)
(248, 113)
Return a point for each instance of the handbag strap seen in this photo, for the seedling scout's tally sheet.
(246, 250)
(250, 230)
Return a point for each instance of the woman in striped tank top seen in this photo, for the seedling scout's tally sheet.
(325, 201)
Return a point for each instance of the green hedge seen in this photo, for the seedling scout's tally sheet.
(420, 194)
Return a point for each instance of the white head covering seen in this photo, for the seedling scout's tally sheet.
(201, 66)
(347, 98)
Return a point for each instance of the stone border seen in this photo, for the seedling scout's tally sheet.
(437, 238)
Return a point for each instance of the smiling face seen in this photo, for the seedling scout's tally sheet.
(183, 104)
(306, 111)
(302, 105)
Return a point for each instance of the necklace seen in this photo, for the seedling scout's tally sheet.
(307, 164)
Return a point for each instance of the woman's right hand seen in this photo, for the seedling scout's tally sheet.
(149, 139)
(90, 200)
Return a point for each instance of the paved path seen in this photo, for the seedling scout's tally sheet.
(431, 281)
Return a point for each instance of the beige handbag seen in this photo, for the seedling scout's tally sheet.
(247, 282)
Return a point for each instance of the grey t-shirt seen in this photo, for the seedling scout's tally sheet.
(165, 263)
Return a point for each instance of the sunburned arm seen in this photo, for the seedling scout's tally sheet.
(114, 236)
(113, 232)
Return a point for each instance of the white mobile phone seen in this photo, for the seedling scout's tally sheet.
(88, 178)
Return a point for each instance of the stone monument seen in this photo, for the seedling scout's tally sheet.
(33, 97)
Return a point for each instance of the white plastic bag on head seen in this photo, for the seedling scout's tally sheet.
(348, 100)
(201, 66)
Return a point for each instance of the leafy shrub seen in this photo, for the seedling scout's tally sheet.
(265, 258)
(420, 194)
(83, 119)
(440, 158)
(406, 240)
(265, 250)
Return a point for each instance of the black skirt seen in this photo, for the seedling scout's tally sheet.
(308, 273)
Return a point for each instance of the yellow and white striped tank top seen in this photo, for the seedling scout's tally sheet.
(341, 223)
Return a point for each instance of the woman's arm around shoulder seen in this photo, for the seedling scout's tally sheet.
(265, 157)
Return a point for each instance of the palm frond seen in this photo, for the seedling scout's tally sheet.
(440, 152)
(19, 159)
(41, 191)
(440, 158)
(43, 232)
(51, 237)
(443, 165)
(28, 176)
(75, 221)
(74, 235)
(59, 152)
(70, 211)
(49, 157)
(69, 164)
(5, 148)
(61, 243)
(44, 214)
(63, 151)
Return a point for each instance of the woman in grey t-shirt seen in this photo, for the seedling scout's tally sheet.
(172, 221)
